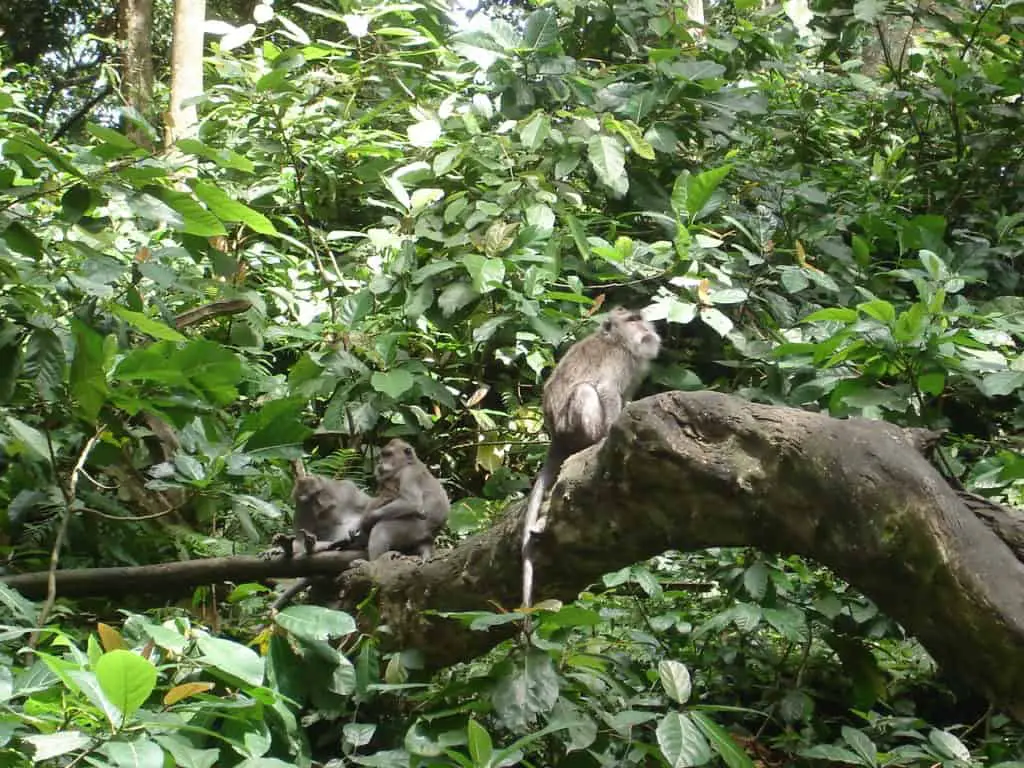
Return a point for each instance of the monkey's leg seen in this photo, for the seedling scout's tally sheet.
(405, 536)
(309, 542)
(586, 417)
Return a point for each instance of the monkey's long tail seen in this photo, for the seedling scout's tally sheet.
(533, 523)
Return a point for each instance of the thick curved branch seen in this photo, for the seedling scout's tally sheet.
(688, 471)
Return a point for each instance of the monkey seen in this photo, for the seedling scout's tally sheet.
(328, 515)
(410, 507)
(582, 397)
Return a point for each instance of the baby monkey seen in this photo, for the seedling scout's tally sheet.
(582, 399)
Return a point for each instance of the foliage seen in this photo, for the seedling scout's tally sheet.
(385, 226)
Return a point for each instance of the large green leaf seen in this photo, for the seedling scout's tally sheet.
(229, 209)
(88, 376)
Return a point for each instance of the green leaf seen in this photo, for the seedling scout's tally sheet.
(456, 296)
(607, 159)
(1001, 383)
(232, 659)
(112, 137)
(21, 240)
(196, 220)
(726, 747)
(541, 29)
(717, 321)
(126, 679)
(932, 383)
(867, 11)
(147, 324)
(392, 383)
(787, 621)
(487, 273)
(832, 753)
(880, 310)
(861, 744)
(755, 580)
(630, 131)
(75, 202)
(312, 622)
(692, 69)
(535, 131)
(480, 745)
(840, 314)
(527, 690)
(228, 209)
(186, 755)
(691, 195)
(934, 266)
(675, 679)
(225, 158)
(681, 742)
(45, 363)
(29, 439)
(50, 745)
(949, 746)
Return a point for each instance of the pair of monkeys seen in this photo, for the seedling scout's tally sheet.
(410, 507)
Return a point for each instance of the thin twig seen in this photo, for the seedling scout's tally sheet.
(69, 498)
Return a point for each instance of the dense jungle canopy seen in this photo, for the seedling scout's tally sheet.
(236, 233)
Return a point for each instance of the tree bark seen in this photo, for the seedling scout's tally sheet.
(186, 68)
(135, 25)
(175, 578)
(688, 471)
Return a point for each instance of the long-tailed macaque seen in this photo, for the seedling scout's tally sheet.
(328, 515)
(410, 507)
(582, 398)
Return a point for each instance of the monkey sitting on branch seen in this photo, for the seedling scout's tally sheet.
(582, 398)
(410, 507)
(328, 515)
(327, 512)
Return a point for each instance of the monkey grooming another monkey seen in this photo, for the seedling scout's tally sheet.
(582, 398)
(410, 507)
(328, 515)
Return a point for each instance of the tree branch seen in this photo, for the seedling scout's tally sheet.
(688, 471)
(174, 578)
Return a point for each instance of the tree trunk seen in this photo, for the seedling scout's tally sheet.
(186, 68)
(688, 471)
(135, 25)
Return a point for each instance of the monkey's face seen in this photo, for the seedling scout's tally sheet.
(393, 456)
(633, 332)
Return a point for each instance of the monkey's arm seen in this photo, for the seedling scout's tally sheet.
(408, 504)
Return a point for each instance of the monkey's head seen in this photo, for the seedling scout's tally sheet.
(306, 488)
(393, 457)
(628, 328)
